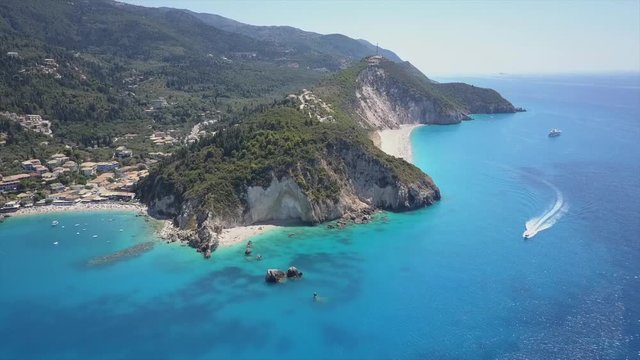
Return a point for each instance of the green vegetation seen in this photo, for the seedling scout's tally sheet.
(306, 48)
(112, 60)
(475, 100)
(279, 140)
(341, 87)
(21, 145)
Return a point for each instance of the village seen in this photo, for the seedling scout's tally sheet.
(30, 122)
(41, 182)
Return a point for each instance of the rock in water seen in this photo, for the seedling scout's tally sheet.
(293, 272)
(274, 276)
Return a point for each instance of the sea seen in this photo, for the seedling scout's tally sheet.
(456, 280)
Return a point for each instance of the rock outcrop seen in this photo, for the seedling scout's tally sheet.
(293, 272)
(384, 102)
(274, 276)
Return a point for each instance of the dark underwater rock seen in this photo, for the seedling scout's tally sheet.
(274, 276)
(293, 272)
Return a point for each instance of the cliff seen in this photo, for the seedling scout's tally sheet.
(281, 165)
(385, 94)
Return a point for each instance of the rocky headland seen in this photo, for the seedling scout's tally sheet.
(309, 159)
(389, 94)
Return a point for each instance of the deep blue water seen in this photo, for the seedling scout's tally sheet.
(454, 281)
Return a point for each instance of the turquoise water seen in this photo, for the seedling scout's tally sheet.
(454, 281)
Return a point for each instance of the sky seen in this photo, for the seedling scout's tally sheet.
(462, 37)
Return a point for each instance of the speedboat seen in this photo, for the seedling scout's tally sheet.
(554, 132)
(54, 223)
(527, 234)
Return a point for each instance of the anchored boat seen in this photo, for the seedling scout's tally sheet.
(554, 132)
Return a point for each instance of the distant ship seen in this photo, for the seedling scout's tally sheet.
(554, 132)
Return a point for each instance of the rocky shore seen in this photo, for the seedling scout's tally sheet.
(217, 237)
(363, 216)
(207, 240)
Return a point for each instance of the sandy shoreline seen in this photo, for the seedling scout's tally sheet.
(228, 237)
(106, 206)
(397, 142)
(241, 234)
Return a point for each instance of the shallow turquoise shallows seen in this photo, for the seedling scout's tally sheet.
(453, 281)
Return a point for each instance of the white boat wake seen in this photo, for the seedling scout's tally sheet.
(549, 217)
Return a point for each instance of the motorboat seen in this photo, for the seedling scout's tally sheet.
(54, 223)
(554, 132)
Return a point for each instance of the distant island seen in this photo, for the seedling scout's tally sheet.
(211, 123)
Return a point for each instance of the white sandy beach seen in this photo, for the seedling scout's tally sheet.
(397, 142)
(105, 206)
(240, 234)
(228, 237)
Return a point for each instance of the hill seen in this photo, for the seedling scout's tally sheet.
(110, 61)
(286, 162)
(379, 94)
(305, 46)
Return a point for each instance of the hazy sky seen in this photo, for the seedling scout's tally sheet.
(462, 37)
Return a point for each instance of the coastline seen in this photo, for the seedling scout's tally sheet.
(239, 234)
(397, 142)
(228, 237)
(106, 206)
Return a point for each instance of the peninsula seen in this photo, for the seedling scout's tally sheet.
(309, 158)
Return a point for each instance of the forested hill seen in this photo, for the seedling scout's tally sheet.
(111, 60)
(300, 43)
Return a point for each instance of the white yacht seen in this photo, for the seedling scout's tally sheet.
(554, 132)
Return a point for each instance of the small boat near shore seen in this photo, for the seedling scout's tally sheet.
(554, 132)
(55, 223)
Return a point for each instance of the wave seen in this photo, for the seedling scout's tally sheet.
(549, 217)
(556, 210)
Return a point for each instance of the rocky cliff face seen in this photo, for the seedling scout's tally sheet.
(367, 180)
(389, 94)
(372, 181)
(383, 102)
